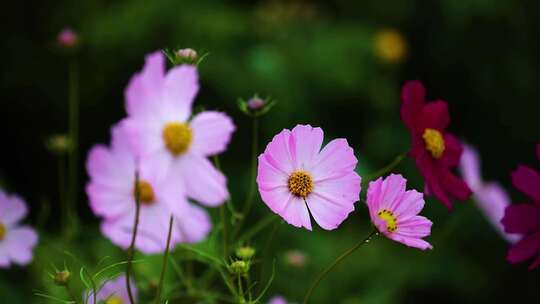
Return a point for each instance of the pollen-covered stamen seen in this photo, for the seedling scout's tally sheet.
(300, 183)
(177, 137)
(146, 193)
(389, 218)
(3, 231)
(434, 142)
(114, 300)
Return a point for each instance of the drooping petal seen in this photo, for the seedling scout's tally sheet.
(521, 218)
(12, 209)
(144, 89)
(179, 90)
(412, 100)
(469, 166)
(296, 213)
(335, 160)
(19, 242)
(211, 132)
(203, 182)
(527, 180)
(435, 115)
(525, 249)
(308, 141)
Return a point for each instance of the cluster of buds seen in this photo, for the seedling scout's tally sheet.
(256, 106)
(183, 56)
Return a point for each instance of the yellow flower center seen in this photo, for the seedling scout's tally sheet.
(300, 184)
(114, 300)
(434, 142)
(178, 137)
(3, 231)
(390, 45)
(389, 218)
(146, 193)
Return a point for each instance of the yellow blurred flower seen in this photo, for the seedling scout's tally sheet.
(390, 45)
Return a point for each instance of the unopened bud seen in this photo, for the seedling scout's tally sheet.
(239, 267)
(58, 143)
(67, 38)
(62, 277)
(255, 104)
(245, 252)
(187, 54)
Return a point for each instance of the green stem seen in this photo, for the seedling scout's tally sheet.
(73, 155)
(222, 213)
(62, 193)
(165, 260)
(240, 291)
(72, 294)
(335, 263)
(131, 249)
(385, 169)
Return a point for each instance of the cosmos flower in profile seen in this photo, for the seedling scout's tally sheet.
(294, 174)
(111, 191)
(394, 211)
(525, 218)
(159, 125)
(490, 197)
(16, 241)
(436, 152)
(114, 292)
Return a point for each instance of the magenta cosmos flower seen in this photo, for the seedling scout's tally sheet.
(436, 152)
(394, 211)
(294, 174)
(114, 292)
(525, 218)
(159, 125)
(490, 197)
(16, 241)
(112, 196)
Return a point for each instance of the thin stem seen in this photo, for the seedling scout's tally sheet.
(386, 168)
(131, 249)
(254, 148)
(336, 262)
(240, 290)
(62, 193)
(165, 260)
(222, 213)
(73, 155)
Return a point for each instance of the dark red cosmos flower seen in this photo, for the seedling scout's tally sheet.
(525, 218)
(436, 152)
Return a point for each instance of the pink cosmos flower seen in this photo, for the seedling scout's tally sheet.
(114, 292)
(294, 174)
(159, 125)
(16, 241)
(112, 196)
(277, 300)
(490, 197)
(67, 38)
(436, 152)
(394, 211)
(525, 218)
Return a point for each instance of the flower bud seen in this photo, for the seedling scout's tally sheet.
(390, 45)
(239, 267)
(187, 54)
(295, 258)
(58, 143)
(62, 277)
(245, 252)
(67, 38)
(255, 106)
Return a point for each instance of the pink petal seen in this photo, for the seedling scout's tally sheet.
(393, 188)
(327, 212)
(527, 180)
(411, 242)
(308, 141)
(296, 213)
(278, 152)
(107, 167)
(212, 132)
(20, 241)
(203, 182)
(411, 203)
(12, 209)
(277, 199)
(144, 89)
(525, 248)
(268, 176)
(470, 167)
(412, 97)
(145, 136)
(109, 201)
(179, 90)
(194, 225)
(435, 115)
(414, 227)
(374, 197)
(335, 160)
(116, 287)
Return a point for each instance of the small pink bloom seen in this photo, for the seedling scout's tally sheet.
(255, 103)
(277, 300)
(394, 211)
(67, 38)
(159, 126)
(114, 292)
(111, 191)
(491, 198)
(294, 174)
(16, 241)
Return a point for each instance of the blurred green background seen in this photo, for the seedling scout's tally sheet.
(322, 62)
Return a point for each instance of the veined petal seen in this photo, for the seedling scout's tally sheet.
(212, 132)
(328, 212)
(296, 213)
(278, 152)
(335, 160)
(308, 141)
(269, 177)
